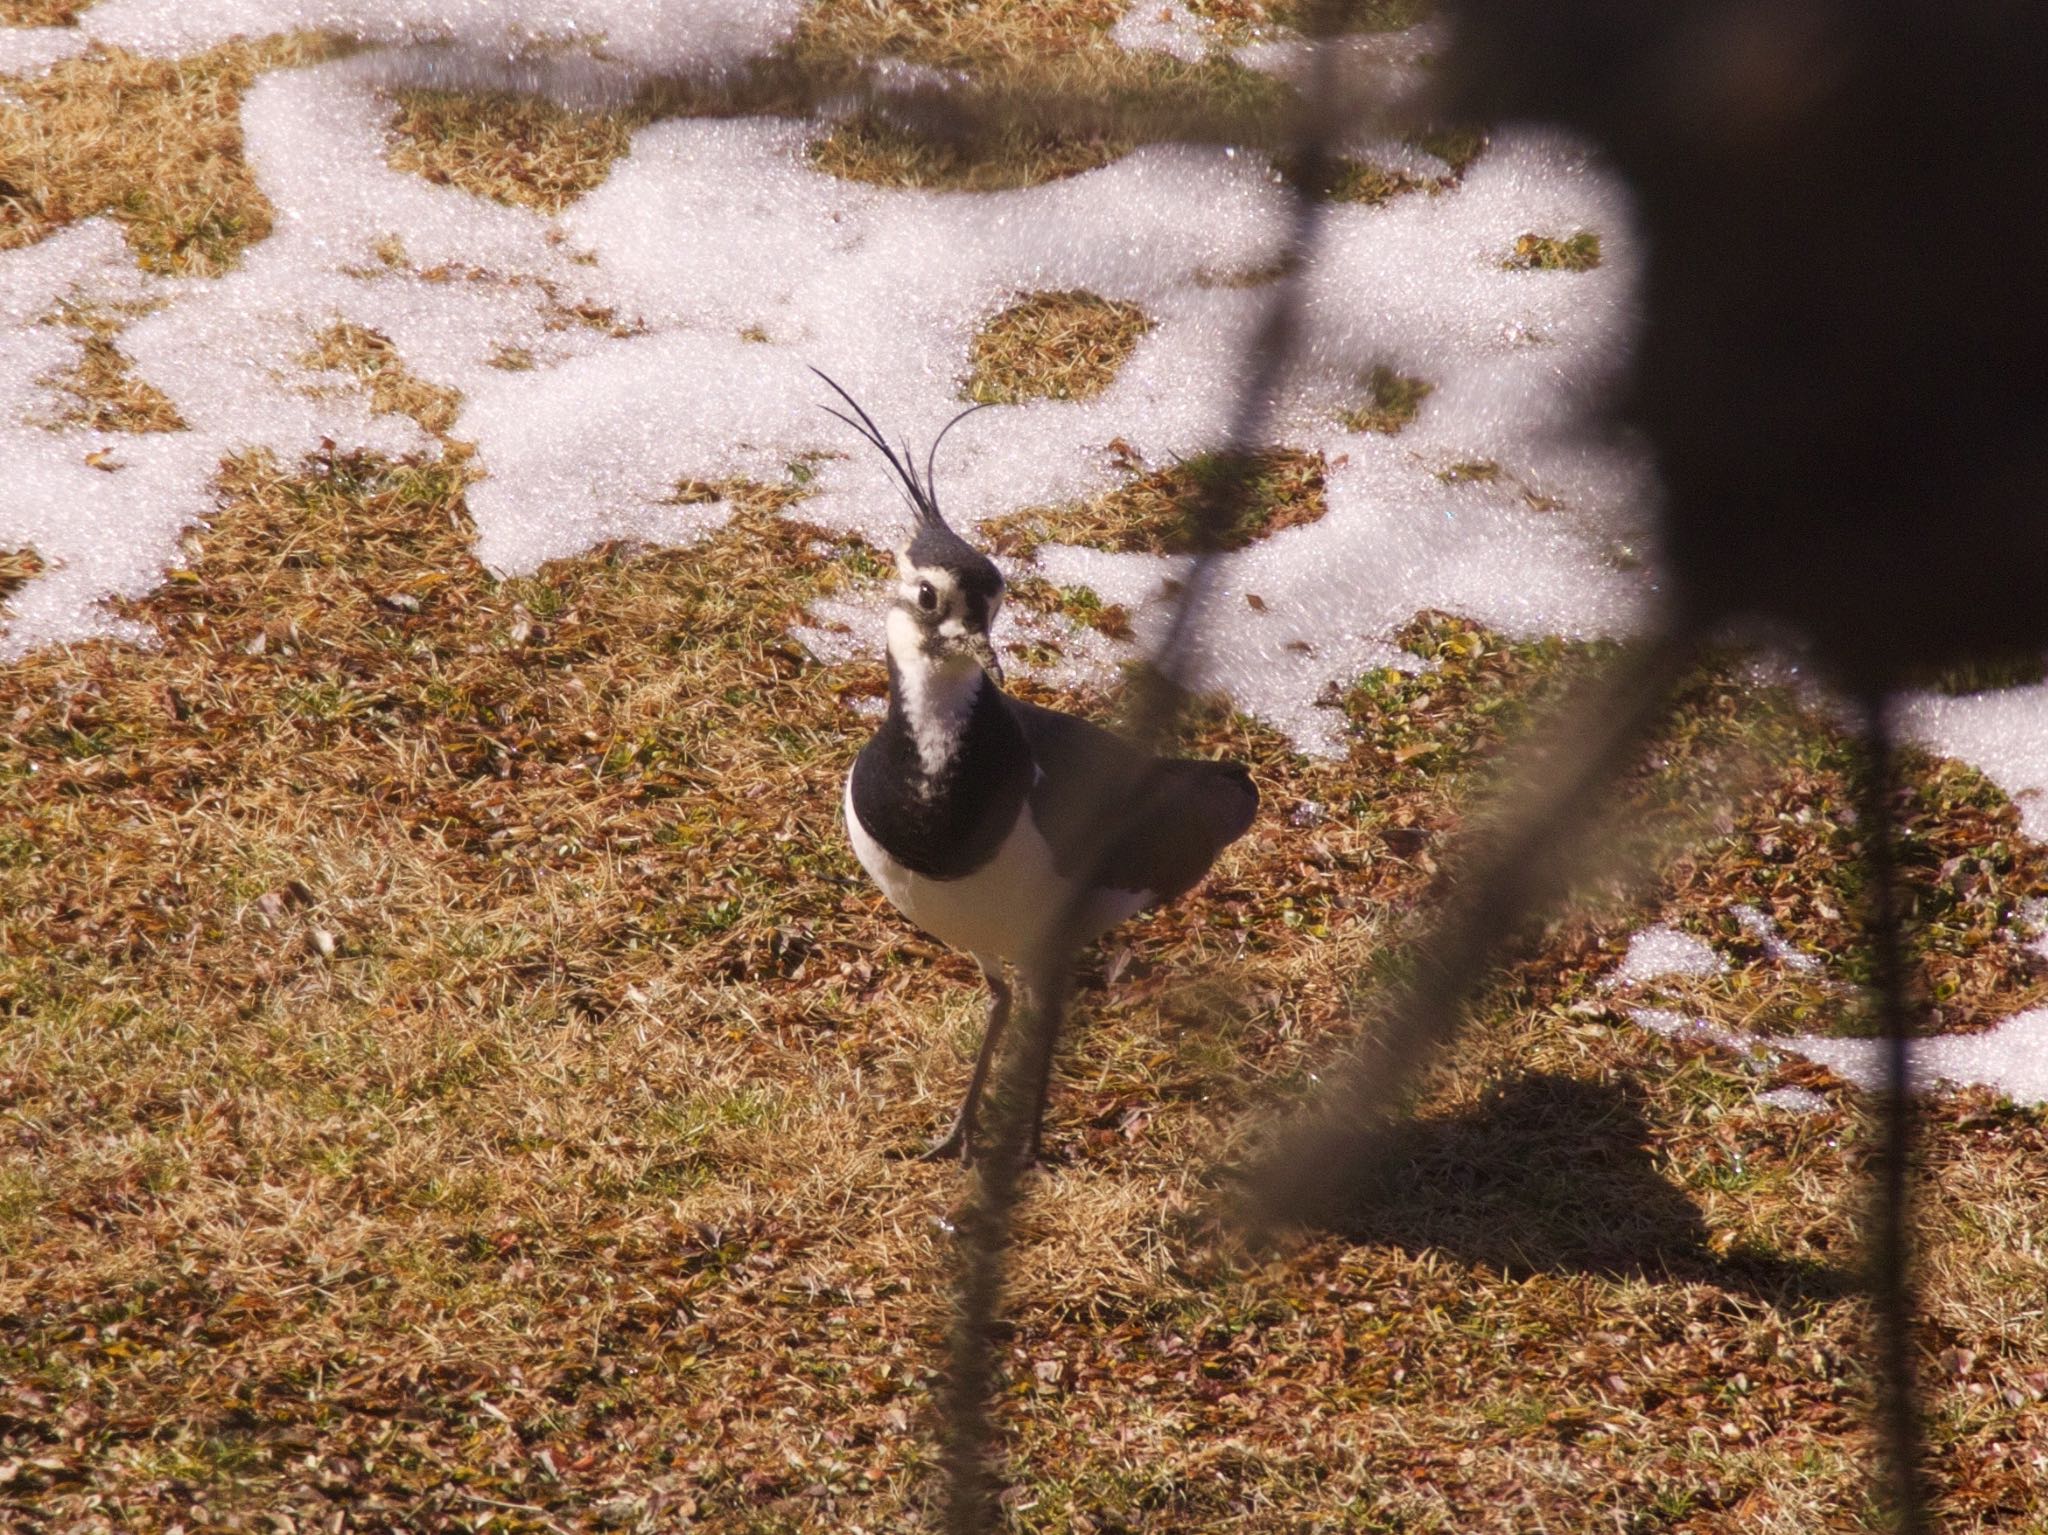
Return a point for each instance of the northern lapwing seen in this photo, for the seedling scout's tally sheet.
(974, 810)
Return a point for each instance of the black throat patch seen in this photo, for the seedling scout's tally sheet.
(943, 825)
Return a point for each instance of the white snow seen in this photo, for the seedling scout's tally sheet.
(1673, 1024)
(648, 34)
(1657, 952)
(2030, 926)
(714, 234)
(1164, 26)
(1794, 1100)
(1760, 927)
(1385, 67)
(32, 50)
(2011, 1058)
(100, 531)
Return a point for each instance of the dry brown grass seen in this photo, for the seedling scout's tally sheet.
(1148, 513)
(1241, 20)
(17, 566)
(1367, 182)
(1052, 346)
(104, 393)
(368, 356)
(951, 36)
(559, 311)
(155, 143)
(1014, 47)
(458, 1083)
(869, 148)
(40, 13)
(1361, 181)
(1038, 62)
(513, 149)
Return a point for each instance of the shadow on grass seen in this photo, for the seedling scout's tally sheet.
(1551, 1174)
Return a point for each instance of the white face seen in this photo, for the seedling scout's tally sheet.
(932, 596)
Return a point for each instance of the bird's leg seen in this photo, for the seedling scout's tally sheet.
(1043, 1090)
(959, 1141)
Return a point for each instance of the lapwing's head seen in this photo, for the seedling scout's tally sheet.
(947, 591)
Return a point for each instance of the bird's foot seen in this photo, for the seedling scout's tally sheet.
(960, 1144)
(954, 1144)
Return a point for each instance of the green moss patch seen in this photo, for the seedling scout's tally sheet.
(1579, 252)
(1392, 400)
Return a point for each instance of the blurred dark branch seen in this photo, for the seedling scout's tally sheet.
(1890, 1260)
(973, 114)
(973, 1483)
(1308, 1170)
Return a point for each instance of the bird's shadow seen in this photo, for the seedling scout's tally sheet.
(1553, 1174)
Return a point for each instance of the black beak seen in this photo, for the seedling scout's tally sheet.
(978, 645)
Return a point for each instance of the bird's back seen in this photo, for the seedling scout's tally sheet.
(1167, 817)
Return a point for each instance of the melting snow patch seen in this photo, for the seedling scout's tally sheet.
(2030, 926)
(714, 234)
(1663, 951)
(712, 229)
(1795, 1100)
(101, 509)
(32, 50)
(643, 33)
(1765, 932)
(1384, 67)
(2011, 1059)
(1163, 26)
(846, 628)
(2004, 735)
(1676, 1025)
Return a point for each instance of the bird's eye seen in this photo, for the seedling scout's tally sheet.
(926, 597)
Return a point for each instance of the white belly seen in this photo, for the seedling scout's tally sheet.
(1003, 909)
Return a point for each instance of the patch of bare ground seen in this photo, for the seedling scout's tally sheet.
(101, 389)
(154, 143)
(1013, 49)
(17, 568)
(1241, 20)
(948, 35)
(1052, 346)
(1391, 401)
(368, 357)
(517, 150)
(1058, 97)
(1373, 184)
(1149, 512)
(40, 13)
(1576, 252)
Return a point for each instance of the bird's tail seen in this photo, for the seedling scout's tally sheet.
(1189, 811)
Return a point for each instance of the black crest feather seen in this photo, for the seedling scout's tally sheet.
(920, 492)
